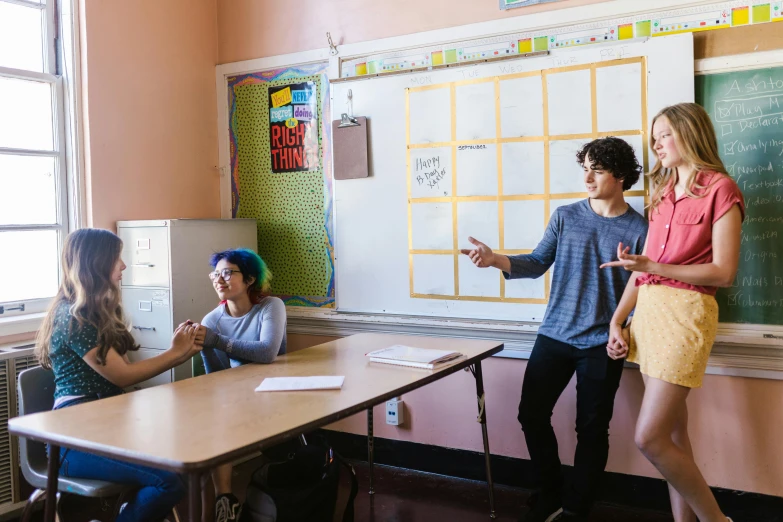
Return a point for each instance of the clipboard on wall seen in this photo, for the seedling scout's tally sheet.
(349, 135)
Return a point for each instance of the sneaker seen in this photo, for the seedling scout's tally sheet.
(227, 508)
(566, 516)
(543, 508)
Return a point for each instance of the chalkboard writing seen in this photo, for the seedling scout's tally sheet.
(747, 111)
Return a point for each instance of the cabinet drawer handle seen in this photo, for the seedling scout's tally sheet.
(150, 328)
(142, 265)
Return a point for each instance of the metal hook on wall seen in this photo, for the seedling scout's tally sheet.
(332, 48)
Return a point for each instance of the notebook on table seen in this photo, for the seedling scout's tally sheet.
(400, 355)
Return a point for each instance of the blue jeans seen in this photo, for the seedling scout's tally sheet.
(159, 491)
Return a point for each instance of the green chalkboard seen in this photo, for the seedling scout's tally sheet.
(746, 109)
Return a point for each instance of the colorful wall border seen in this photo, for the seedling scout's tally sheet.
(719, 15)
(293, 74)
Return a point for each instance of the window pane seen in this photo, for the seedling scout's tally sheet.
(25, 114)
(27, 190)
(21, 37)
(28, 265)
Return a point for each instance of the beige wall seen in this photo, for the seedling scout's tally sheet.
(256, 28)
(149, 93)
(735, 423)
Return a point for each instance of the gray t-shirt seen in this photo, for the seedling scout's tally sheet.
(583, 297)
(258, 336)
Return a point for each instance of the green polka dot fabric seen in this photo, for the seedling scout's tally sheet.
(293, 209)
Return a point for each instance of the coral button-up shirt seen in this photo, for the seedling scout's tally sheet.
(681, 230)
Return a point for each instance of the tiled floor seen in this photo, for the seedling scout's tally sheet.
(405, 496)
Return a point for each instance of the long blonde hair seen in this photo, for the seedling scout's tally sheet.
(696, 142)
(88, 260)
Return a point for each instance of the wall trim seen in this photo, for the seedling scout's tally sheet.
(739, 62)
(738, 359)
(21, 324)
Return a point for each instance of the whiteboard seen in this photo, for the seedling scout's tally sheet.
(465, 152)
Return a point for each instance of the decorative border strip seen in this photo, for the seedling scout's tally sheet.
(718, 15)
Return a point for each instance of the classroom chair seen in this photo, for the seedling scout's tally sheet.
(35, 392)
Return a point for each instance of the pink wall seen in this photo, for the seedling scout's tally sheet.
(735, 423)
(256, 28)
(149, 97)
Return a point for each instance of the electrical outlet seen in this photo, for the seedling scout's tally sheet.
(395, 409)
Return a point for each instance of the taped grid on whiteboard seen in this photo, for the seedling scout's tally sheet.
(493, 157)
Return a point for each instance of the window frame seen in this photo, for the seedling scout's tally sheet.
(66, 146)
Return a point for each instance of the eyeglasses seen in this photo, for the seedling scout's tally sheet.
(225, 274)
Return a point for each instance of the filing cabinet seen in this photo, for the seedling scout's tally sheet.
(166, 280)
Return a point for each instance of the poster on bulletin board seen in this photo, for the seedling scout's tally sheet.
(509, 4)
(280, 146)
(293, 128)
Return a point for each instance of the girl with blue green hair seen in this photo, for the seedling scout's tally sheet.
(248, 326)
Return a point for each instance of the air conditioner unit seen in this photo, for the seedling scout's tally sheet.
(14, 359)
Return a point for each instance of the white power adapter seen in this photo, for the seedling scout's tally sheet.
(395, 409)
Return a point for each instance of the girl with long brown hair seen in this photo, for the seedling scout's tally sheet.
(84, 340)
(692, 248)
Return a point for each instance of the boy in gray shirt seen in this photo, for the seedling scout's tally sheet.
(572, 337)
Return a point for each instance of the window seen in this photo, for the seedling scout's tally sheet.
(34, 164)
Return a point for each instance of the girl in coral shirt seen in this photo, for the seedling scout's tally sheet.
(692, 248)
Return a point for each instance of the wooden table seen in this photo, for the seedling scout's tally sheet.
(193, 425)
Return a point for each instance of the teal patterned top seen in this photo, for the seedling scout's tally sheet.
(73, 377)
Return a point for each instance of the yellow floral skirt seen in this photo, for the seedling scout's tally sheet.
(672, 333)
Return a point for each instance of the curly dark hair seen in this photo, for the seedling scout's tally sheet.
(613, 155)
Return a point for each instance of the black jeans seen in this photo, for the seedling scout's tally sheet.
(550, 368)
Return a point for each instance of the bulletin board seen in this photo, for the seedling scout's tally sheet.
(280, 159)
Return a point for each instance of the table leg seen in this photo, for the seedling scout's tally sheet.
(482, 419)
(370, 452)
(53, 474)
(194, 497)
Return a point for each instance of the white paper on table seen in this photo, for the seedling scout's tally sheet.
(327, 382)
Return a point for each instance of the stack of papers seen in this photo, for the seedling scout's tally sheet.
(330, 382)
(415, 357)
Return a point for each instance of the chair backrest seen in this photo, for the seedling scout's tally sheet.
(35, 393)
